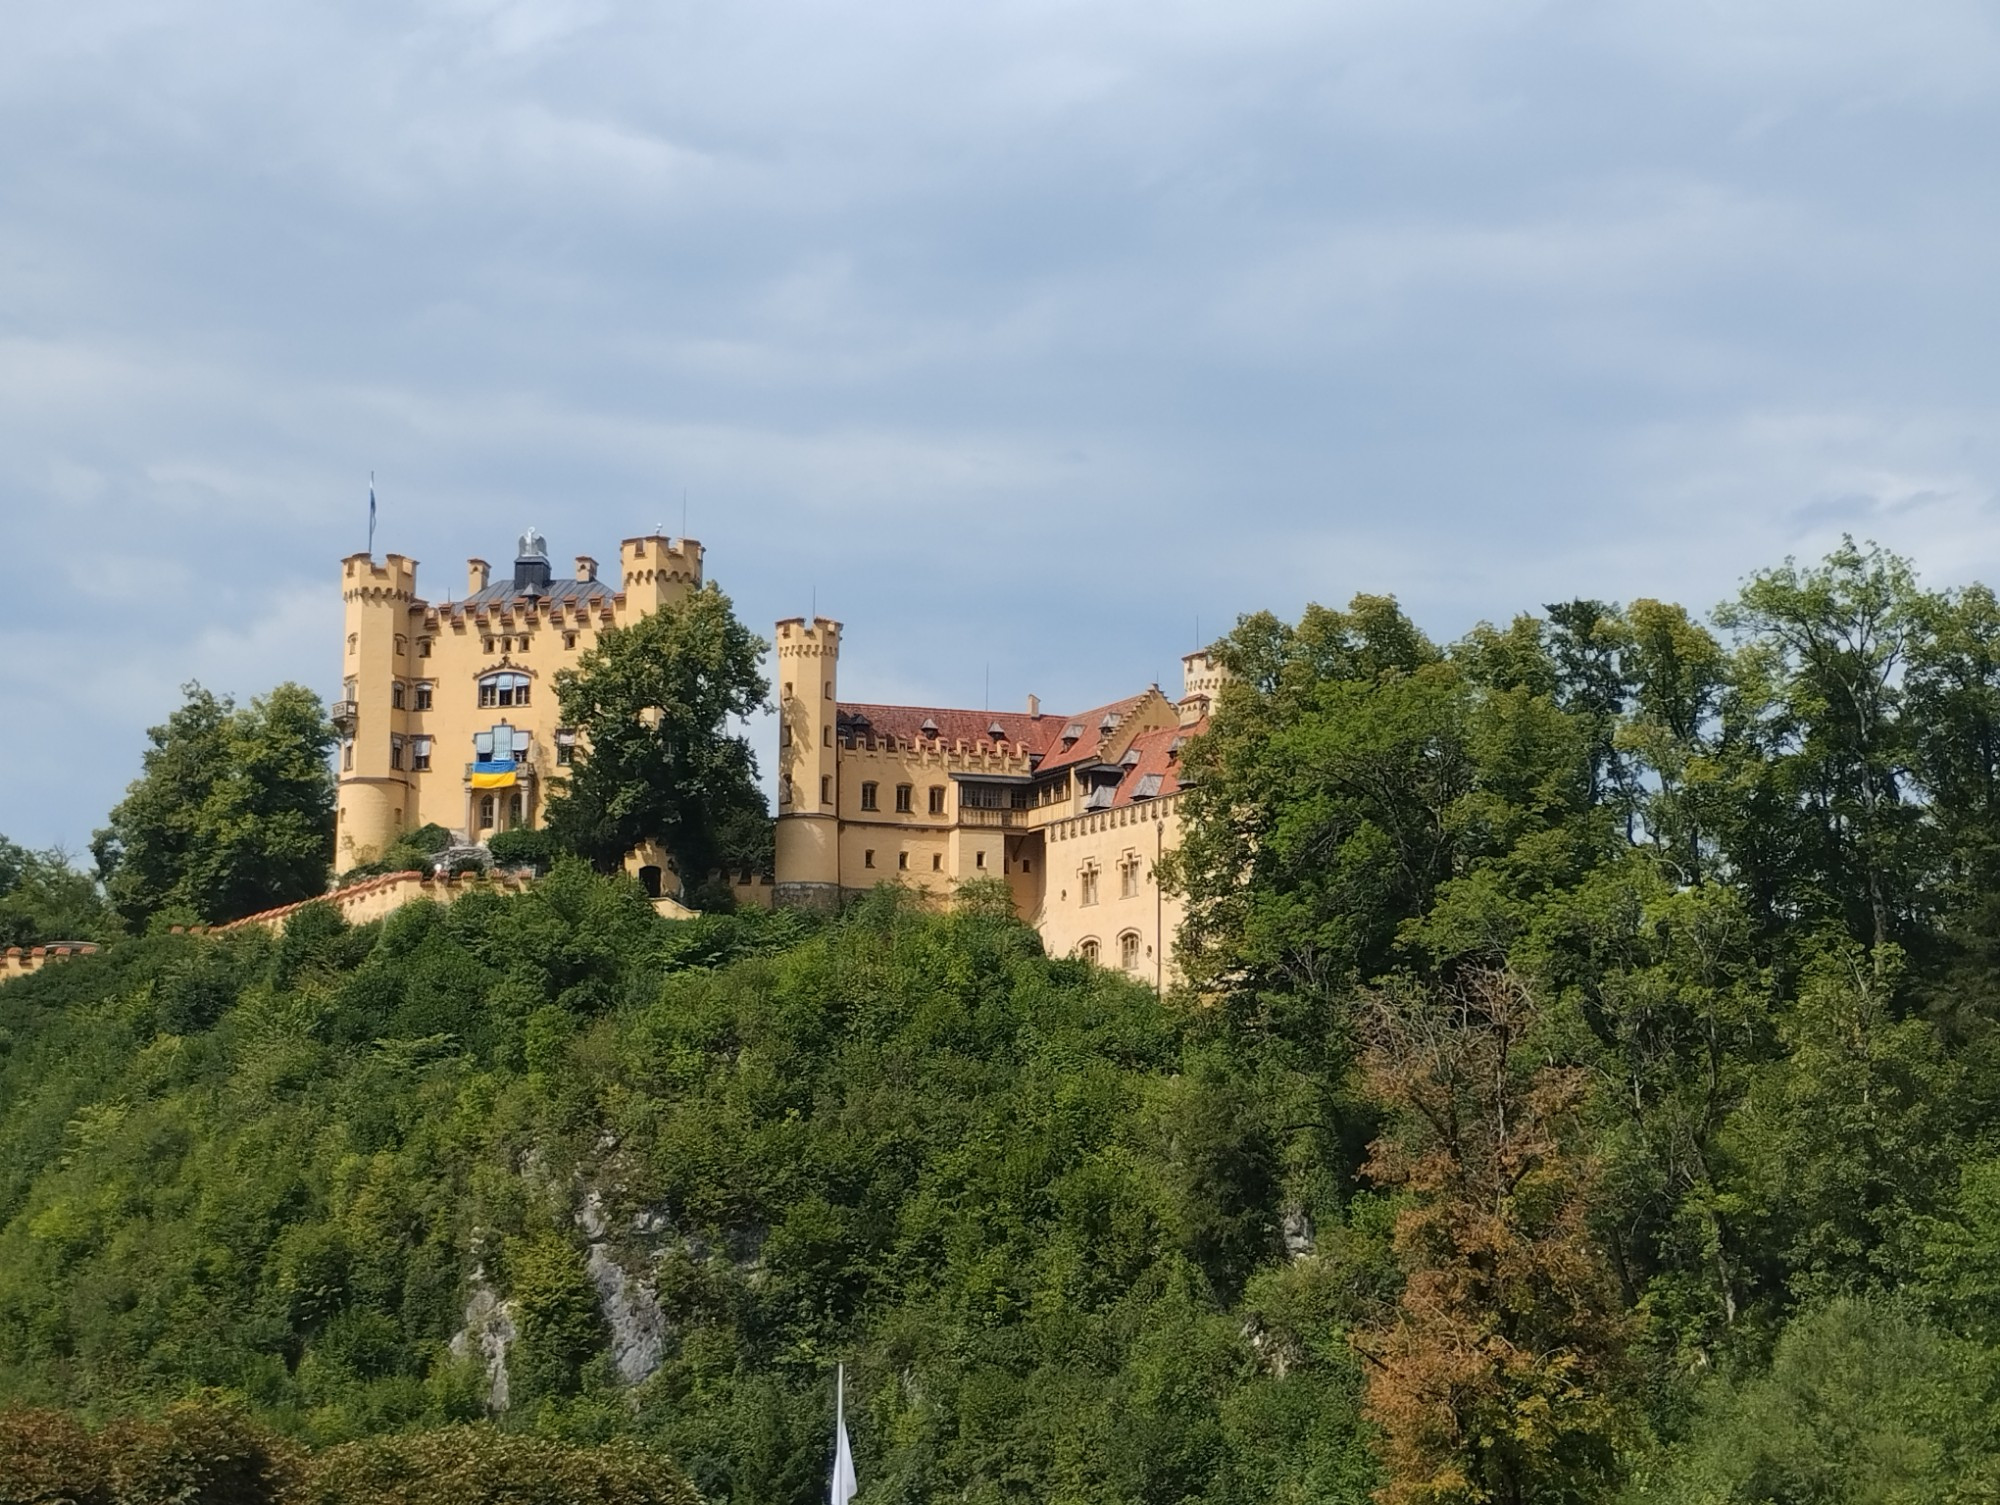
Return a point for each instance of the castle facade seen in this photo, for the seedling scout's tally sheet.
(448, 716)
(447, 713)
(1071, 811)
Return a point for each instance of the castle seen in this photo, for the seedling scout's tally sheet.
(1071, 812)
(448, 715)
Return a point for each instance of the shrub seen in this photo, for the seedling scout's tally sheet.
(523, 848)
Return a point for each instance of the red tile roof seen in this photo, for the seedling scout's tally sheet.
(1157, 755)
(1092, 736)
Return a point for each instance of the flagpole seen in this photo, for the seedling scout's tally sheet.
(842, 1486)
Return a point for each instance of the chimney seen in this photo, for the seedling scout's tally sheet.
(586, 567)
(1035, 706)
(476, 571)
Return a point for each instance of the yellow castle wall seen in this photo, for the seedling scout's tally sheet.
(1107, 840)
(395, 637)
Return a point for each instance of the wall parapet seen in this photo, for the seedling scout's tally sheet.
(1093, 821)
(19, 961)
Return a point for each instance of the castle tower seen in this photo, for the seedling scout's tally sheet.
(653, 571)
(808, 847)
(1202, 676)
(374, 788)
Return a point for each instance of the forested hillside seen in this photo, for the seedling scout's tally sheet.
(1031, 1207)
(1584, 1090)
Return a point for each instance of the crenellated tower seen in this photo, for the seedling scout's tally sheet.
(654, 570)
(374, 789)
(808, 846)
(1202, 678)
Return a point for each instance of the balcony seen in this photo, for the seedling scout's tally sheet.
(344, 714)
(972, 815)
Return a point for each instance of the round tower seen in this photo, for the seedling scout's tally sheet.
(374, 790)
(808, 830)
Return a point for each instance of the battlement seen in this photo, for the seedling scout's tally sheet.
(18, 961)
(654, 560)
(362, 579)
(798, 639)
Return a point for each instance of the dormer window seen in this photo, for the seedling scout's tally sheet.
(929, 728)
(1072, 731)
(1131, 758)
(997, 732)
(1109, 723)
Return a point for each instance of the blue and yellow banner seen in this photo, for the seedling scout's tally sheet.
(493, 774)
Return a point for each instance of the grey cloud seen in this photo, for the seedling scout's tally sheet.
(1022, 334)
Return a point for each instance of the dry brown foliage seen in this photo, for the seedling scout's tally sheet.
(1497, 1378)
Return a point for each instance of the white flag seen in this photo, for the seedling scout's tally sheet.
(843, 1488)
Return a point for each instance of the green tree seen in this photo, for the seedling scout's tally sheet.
(656, 760)
(234, 812)
(1818, 694)
(44, 898)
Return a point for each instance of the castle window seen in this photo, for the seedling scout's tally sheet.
(826, 789)
(903, 792)
(347, 755)
(868, 796)
(902, 860)
(423, 695)
(1088, 951)
(1027, 866)
(423, 647)
(979, 859)
(486, 645)
(402, 645)
(487, 805)
(937, 862)
(569, 640)
(347, 689)
(565, 747)
(396, 694)
(352, 641)
(1128, 951)
(1128, 878)
(868, 858)
(396, 753)
(420, 755)
(937, 799)
(503, 690)
(1087, 883)
(784, 733)
(826, 736)
(829, 689)
(514, 810)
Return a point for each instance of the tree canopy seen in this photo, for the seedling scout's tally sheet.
(233, 812)
(656, 759)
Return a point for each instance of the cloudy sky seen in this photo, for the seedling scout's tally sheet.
(1020, 335)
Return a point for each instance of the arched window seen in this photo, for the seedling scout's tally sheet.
(1128, 951)
(503, 690)
(486, 811)
(1088, 949)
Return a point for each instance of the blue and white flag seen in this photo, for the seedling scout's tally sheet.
(371, 514)
(842, 1487)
